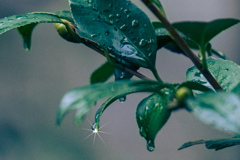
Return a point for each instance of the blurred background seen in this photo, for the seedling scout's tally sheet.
(32, 84)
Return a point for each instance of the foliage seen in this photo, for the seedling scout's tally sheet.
(123, 33)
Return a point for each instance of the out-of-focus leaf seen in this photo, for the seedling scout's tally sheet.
(216, 144)
(120, 26)
(82, 98)
(152, 114)
(26, 23)
(102, 74)
(202, 32)
(195, 86)
(226, 72)
(158, 4)
(220, 110)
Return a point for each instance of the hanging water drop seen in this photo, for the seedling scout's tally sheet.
(143, 42)
(93, 126)
(150, 146)
(122, 99)
(135, 23)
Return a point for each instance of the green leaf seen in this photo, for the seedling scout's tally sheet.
(16, 21)
(152, 114)
(216, 144)
(226, 72)
(82, 98)
(120, 26)
(221, 110)
(202, 32)
(102, 74)
(25, 23)
(26, 32)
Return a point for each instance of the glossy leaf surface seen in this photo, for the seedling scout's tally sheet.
(120, 26)
(82, 98)
(220, 110)
(152, 114)
(226, 72)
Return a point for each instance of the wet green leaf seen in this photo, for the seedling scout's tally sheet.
(226, 72)
(152, 114)
(102, 74)
(221, 110)
(120, 26)
(216, 144)
(81, 99)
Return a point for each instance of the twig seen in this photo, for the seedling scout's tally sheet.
(182, 44)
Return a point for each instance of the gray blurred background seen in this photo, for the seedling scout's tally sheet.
(32, 84)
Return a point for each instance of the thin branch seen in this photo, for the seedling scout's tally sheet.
(182, 44)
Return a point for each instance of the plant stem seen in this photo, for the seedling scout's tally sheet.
(182, 44)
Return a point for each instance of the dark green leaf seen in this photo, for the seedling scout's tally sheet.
(120, 26)
(202, 32)
(82, 98)
(26, 32)
(221, 110)
(102, 74)
(152, 114)
(216, 144)
(226, 72)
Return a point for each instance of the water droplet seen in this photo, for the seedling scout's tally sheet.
(122, 99)
(135, 23)
(150, 146)
(121, 9)
(226, 69)
(107, 33)
(123, 27)
(145, 25)
(110, 5)
(151, 41)
(128, 16)
(19, 18)
(150, 54)
(94, 35)
(93, 126)
(117, 20)
(143, 42)
(126, 11)
(118, 15)
(111, 16)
